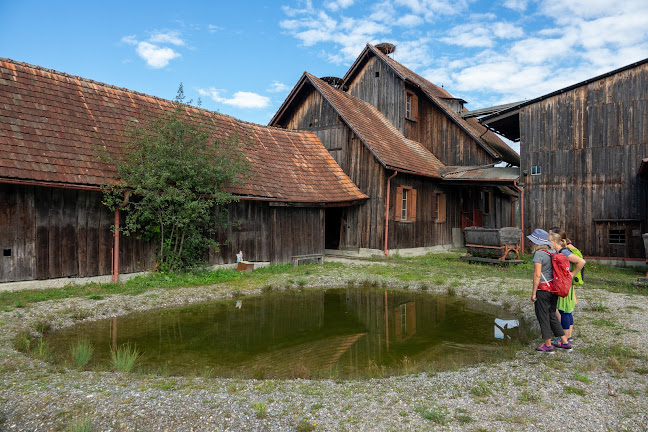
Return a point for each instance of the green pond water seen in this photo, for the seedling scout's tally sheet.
(339, 333)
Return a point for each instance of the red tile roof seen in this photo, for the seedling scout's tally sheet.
(483, 136)
(389, 146)
(53, 127)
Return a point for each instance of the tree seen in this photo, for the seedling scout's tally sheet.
(174, 173)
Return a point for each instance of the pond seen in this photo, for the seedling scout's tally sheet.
(347, 332)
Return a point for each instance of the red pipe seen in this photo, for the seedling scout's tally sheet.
(115, 272)
(387, 211)
(521, 212)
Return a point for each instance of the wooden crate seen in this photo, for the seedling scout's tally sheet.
(493, 243)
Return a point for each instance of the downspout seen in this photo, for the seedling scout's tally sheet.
(521, 211)
(387, 211)
(115, 272)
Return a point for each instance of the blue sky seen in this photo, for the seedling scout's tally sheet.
(242, 58)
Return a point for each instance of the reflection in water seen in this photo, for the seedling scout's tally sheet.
(503, 328)
(338, 332)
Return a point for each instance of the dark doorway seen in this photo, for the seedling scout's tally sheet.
(333, 229)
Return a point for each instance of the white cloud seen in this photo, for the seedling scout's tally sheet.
(468, 35)
(154, 55)
(338, 4)
(241, 99)
(278, 87)
(130, 40)
(171, 37)
(517, 5)
(213, 28)
(504, 30)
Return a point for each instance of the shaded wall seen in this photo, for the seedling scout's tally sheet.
(589, 143)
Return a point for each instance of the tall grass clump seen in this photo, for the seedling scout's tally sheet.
(81, 352)
(124, 357)
(81, 424)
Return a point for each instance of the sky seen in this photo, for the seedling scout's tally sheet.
(242, 58)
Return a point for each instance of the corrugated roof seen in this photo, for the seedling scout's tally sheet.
(391, 148)
(53, 127)
(482, 135)
(488, 173)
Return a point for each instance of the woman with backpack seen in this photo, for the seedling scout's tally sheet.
(544, 300)
(566, 305)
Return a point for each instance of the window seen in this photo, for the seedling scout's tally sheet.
(617, 236)
(487, 202)
(411, 106)
(439, 210)
(405, 204)
(536, 170)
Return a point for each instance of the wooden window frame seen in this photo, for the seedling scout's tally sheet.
(488, 201)
(439, 208)
(536, 170)
(410, 203)
(411, 106)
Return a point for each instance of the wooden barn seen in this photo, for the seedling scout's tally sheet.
(53, 129)
(416, 199)
(582, 149)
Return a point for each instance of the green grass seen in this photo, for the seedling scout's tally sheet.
(444, 268)
(438, 415)
(574, 390)
(81, 424)
(124, 358)
(529, 396)
(481, 389)
(582, 378)
(81, 352)
(260, 409)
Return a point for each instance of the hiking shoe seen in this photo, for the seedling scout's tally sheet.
(565, 346)
(556, 342)
(545, 348)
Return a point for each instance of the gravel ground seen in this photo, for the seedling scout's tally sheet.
(532, 392)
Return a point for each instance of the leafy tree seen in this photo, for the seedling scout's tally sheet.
(174, 172)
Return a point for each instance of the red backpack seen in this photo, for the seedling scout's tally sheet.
(562, 278)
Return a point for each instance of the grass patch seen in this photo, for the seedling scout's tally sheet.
(81, 424)
(574, 390)
(436, 414)
(81, 353)
(305, 425)
(582, 378)
(260, 409)
(123, 358)
(529, 396)
(602, 323)
(481, 390)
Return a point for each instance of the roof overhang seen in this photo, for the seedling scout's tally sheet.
(504, 122)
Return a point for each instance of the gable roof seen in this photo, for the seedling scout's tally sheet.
(387, 144)
(483, 136)
(488, 173)
(53, 127)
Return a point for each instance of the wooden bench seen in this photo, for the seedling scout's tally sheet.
(307, 259)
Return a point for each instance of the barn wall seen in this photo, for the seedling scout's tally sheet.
(589, 142)
(54, 233)
(274, 233)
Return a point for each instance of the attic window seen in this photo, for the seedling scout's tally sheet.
(536, 170)
(6, 252)
(377, 74)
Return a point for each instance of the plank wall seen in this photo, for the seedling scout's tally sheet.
(589, 143)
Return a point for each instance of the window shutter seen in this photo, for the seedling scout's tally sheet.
(414, 107)
(442, 208)
(435, 198)
(399, 203)
(411, 202)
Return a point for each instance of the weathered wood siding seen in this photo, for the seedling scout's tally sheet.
(589, 142)
(265, 232)
(51, 233)
(377, 84)
(48, 233)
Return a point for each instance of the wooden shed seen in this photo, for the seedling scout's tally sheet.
(582, 148)
(53, 129)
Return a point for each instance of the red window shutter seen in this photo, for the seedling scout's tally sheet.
(411, 202)
(399, 203)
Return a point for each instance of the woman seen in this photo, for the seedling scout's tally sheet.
(566, 305)
(544, 301)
